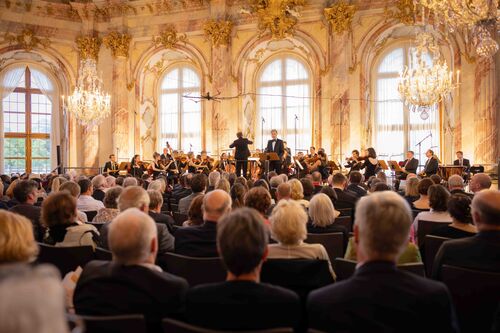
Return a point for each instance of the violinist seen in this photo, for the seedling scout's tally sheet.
(354, 162)
(302, 166)
(192, 163)
(205, 164)
(136, 166)
(323, 159)
(318, 161)
(312, 152)
(287, 158)
(222, 165)
(157, 167)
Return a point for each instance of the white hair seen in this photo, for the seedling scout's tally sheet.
(213, 178)
(321, 210)
(111, 181)
(455, 181)
(129, 181)
(288, 222)
(156, 185)
(276, 181)
(98, 182)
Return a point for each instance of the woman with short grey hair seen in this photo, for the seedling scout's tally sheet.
(110, 210)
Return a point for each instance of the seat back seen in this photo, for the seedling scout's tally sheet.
(416, 268)
(476, 295)
(425, 228)
(97, 225)
(174, 207)
(110, 324)
(66, 259)
(345, 211)
(195, 270)
(91, 214)
(175, 326)
(432, 245)
(299, 275)
(345, 221)
(103, 254)
(345, 268)
(333, 243)
(180, 218)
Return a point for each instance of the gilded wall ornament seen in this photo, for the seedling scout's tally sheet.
(277, 16)
(169, 37)
(26, 39)
(405, 12)
(118, 43)
(340, 16)
(88, 47)
(218, 32)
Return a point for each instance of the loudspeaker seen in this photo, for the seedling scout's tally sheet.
(59, 162)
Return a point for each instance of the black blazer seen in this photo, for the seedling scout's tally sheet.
(356, 190)
(481, 252)
(466, 162)
(431, 166)
(32, 213)
(108, 167)
(242, 151)
(242, 305)
(163, 219)
(344, 199)
(198, 241)
(380, 298)
(278, 147)
(106, 289)
(412, 165)
(98, 195)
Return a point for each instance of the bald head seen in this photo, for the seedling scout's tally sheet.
(479, 182)
(132, 238)
(134, 197)
(486, 210)
(215, 204)
(283, 192)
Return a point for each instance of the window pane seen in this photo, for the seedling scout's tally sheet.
(271, 108)
(40, 166)
(40, 148)
(39, 80)
(272, 72)
(171, 80)
(14, 165)
(14, 113)
(295, 70)
(14, 147)
(393, 62)
(190, 78)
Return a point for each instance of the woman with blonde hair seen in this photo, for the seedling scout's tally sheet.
(322, 215)
(298, 192)
(17, 242)
(288, 228)
(223, 184)
(411, 190)
(56, 184)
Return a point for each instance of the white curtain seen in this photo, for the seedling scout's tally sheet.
(45, 85)
(9, 81)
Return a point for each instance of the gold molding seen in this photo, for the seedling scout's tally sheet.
(169, 37)
(88, 47)
(340, 16)
(406, 12)
(26, 39)
(218, 32)
(118, 43)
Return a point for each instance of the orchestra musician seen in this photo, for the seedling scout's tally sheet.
(205, 163)
(275, 145)
(354, 162)
(241, 154)
(136, 166)
(303, 168)
(287, 158)
(312, 152)
(410, 165)
(111, 167)
(370, 164)
(461, 161)
(431, 165)
(157, 166)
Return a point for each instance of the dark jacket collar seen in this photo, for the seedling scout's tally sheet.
(490, 236)
(375, 267)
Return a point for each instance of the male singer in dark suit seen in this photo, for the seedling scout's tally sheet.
(275, 145)
(410, 165)
(111, 167)
(379, 297)
(461, 161)
(241, 154)
(432, 164)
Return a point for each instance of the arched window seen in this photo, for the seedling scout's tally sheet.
(284, 90)
(180, 116)
(27, 111)
(397, 129)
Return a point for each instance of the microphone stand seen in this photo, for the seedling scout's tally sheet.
(217, 131)
(420, 147)
(262, 132)
(295, 129)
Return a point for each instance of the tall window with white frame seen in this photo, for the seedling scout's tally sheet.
(180, 110)
(27, 124)
(397, 129)
(284, 90)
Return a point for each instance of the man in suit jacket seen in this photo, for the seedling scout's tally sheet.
(198, 187)
(379, 297)
(432, 164)
(456, 186)
(345, 199)
(410, 165)
(242, 302)
(354, 187)
(480, 252)
(155, 204)
(241, 154)
(25, 193)
(200, 241)
(461, 161)
(111, 167)
(275, 145)
(131, 283)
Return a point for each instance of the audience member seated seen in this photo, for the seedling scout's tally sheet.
(155, 204)
(379, 297)
(260, 200)
(213, 179)
(9, 193)
(459, 209)
(480, 252)
(273, 184)
(345, 199)
(198, 187)
(131, 283)
(224, 185)
(110, 181)
(242, 302)
(17, 243)
(195, 213)
(25, 193)
(63, 230)
(479, 182)
(237, 193)
(288, 228)
(456, 186)
(438, 202)
(199, 241)
(436, 179)
(422, 203)
(381, 187)
(85, 202)
(261, 182)
(32, 300)
(317, 182)
(297, 192)
(110, 210)
(137, 197)
(354, 187)
(411, 190)
(322, 215)
(308, 188)
(130, 181)
(183, 189)
(74, 189)
(99, 185)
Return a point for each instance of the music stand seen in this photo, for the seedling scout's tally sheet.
(123, 168)
(333, 165)
(266, 157)
(395, 166)
(383, 165)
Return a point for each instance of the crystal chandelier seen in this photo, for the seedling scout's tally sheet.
(88, 103)
(423, 85)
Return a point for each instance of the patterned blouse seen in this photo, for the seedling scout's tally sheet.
(106, 215)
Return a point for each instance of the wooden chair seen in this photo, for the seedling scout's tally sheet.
(98, 225)
(425, 228)
(175, 326)
(66, 259)
(195, 270)
(109, 324)
(345, 268)
(432, 246)
(476, 295)
(180, 218)
(345, 221)
(103, 254)
(416, 268)
(333, 243)
(91, 214)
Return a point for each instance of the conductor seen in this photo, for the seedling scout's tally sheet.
(275, 145)
(242, 153)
